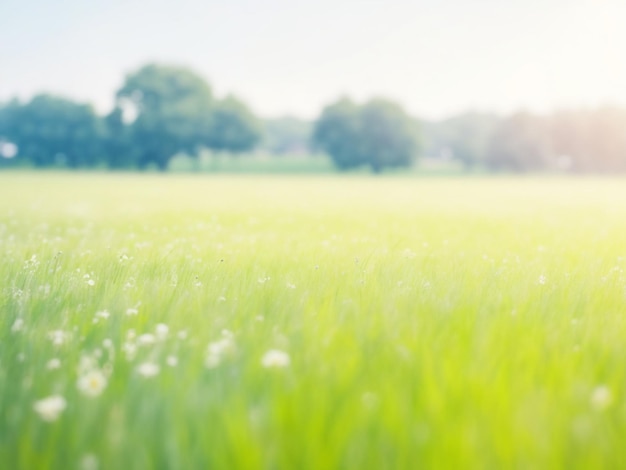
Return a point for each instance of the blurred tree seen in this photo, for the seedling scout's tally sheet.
(606, 139)
(233, 128)
(119, 149)
(390, 137)
(50, 130)
(378, 134)
(590, 140)
(287, 135)
(169, 111)
(520, 143)
(337, 132)
(464, 137)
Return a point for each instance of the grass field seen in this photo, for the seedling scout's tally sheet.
(179, 322)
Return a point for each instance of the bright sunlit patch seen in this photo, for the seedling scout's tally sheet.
(601, 398)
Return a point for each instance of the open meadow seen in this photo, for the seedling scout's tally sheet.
(321, 322)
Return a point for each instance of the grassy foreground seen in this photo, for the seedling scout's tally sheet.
(180, 322)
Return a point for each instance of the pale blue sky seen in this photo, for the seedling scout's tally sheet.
(292, 57)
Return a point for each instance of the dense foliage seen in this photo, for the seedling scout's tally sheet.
(378, 134)
(164, 111)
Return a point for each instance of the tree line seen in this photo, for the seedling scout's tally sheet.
(162, 111)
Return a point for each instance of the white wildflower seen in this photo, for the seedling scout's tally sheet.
(132, 311)
(148, 369)
(275, 359)
(182, 335)
(89, 462)
(172, 361)
(130, 350)
(91, 282)
(57, 337)
(92, 383)
(104, 314)
(542, 280)
(18, 325)
(601, 398)
(50, 408)
(86, 364)
(53, 363)
(161, 331)
(218, 350)
(146, 339)
(107, 343)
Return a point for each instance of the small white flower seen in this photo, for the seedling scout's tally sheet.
(86, 364)
(104, 314)
(91, 282)
(542, 280)
(130, 350)
(18, 325)
(290, 285)
(132, 311)
(107, 343)
(172, 361)
(217, 350)
(57, 337)
(220, 346)
(92, 383)
(275, 359)
(148, 369)
(182, 335)
(161, 331)
(89, 462)
(50, 408)
(54, 363)
(601, 398)
(146, 339)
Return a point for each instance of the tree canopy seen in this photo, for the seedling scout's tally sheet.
(169, 111)
(378, 134)
(50, 130)
(161, 111)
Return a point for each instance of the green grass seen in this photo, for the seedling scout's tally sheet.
(430, 323)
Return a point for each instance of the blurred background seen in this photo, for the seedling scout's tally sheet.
(444, 86)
